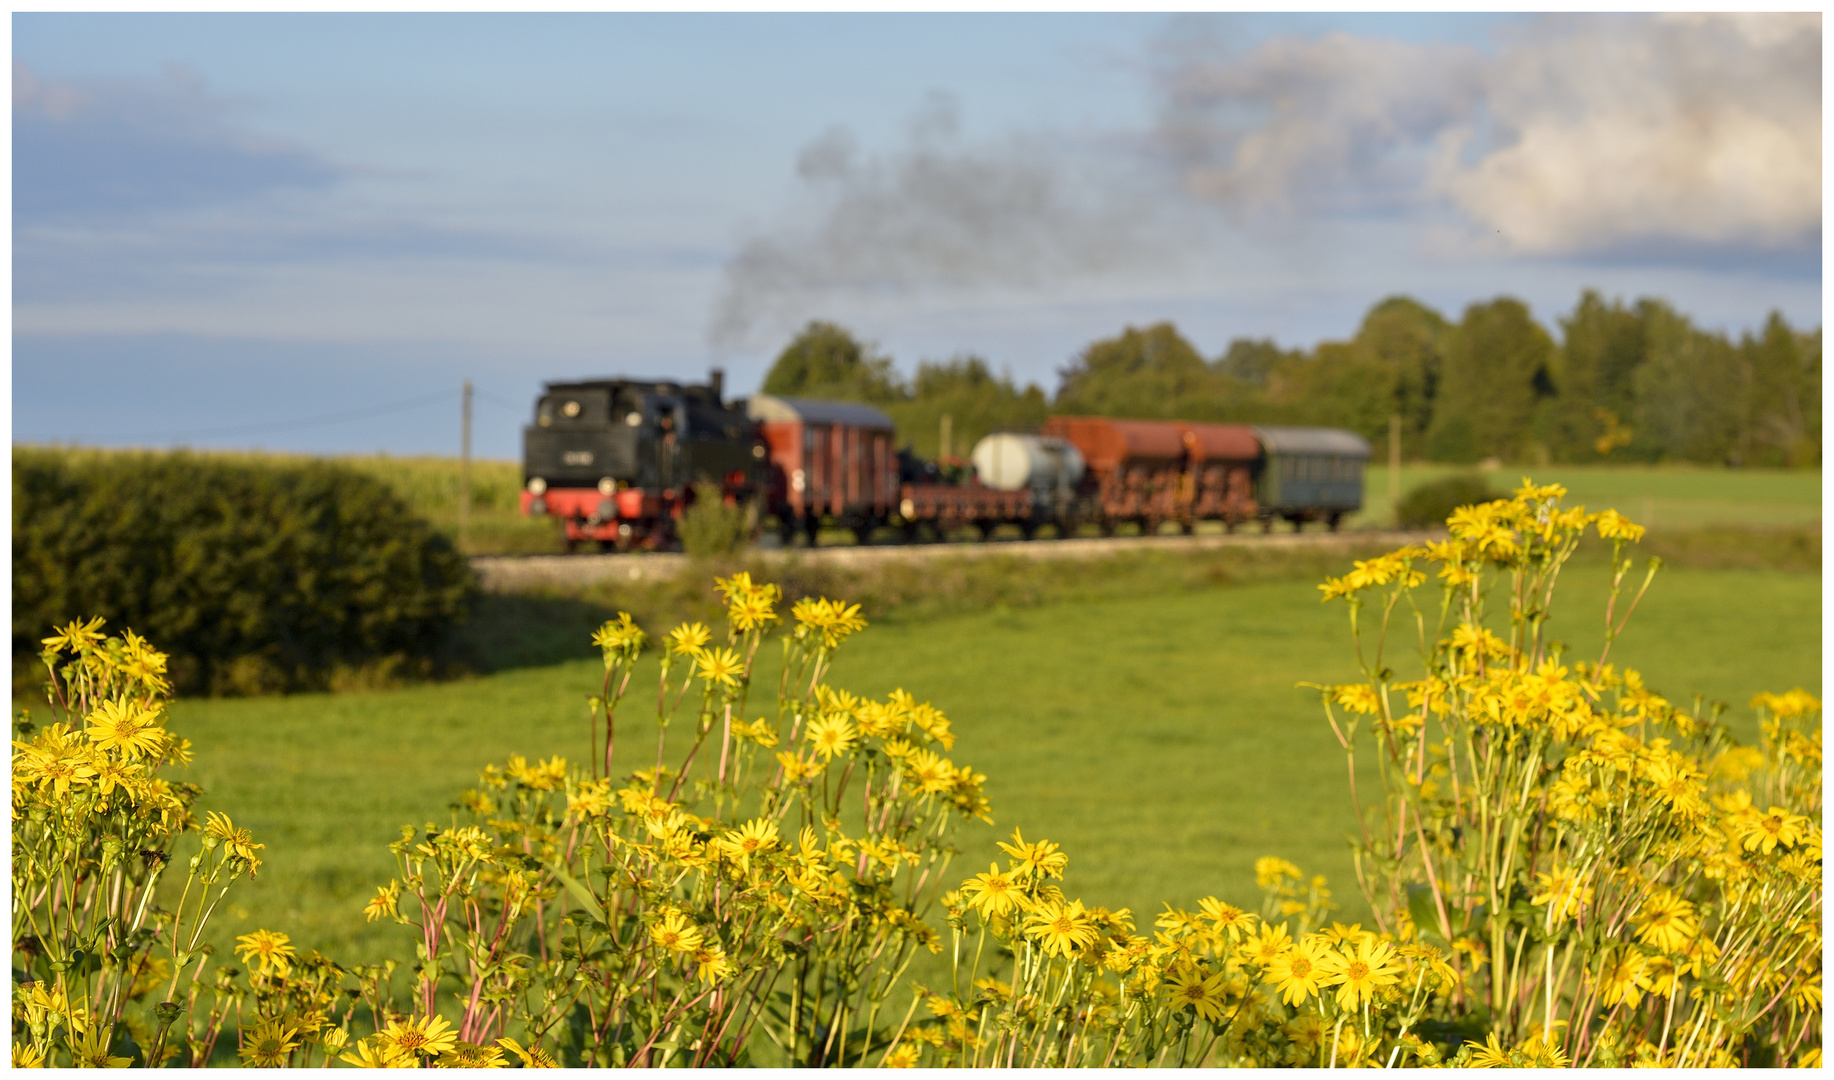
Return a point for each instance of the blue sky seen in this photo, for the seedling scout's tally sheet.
(302, 231)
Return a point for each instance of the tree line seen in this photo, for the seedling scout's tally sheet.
(1623, 382)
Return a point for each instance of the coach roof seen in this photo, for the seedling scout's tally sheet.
(788, 410)
(1312, 440)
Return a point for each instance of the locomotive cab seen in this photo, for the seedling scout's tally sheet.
(618, 459)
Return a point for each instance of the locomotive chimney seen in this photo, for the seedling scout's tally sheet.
(716, 381)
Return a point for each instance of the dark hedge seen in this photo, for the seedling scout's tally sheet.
(254, 578)
(1432, 503)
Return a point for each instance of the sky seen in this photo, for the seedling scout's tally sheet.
(303, 232)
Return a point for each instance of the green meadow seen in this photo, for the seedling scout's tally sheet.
(1161, 738)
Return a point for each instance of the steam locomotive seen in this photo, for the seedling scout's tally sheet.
(620, 460)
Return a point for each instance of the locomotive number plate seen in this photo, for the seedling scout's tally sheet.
(577, 457)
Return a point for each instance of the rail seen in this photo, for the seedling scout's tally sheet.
(508, 573)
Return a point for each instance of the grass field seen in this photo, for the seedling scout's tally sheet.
(1664, 497)
(1160, 738)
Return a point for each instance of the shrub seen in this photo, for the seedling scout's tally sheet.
(710, 527)
(256, 578)
(1433, 502)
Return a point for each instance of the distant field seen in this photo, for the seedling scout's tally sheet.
(1664, 497)
(1160, 738)
(1667, 497)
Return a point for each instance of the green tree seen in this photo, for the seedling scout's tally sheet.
(1782, 374)
(976, 403)
(1689, 390)
(1153, 372)
(827, 361)
(1593, 417)
(1409, 339)
(1498, 368)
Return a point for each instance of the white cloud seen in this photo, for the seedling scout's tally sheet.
(1702, 130)
(1581, 135)
(1306, 124)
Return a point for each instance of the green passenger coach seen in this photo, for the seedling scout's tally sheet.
(1310, 474)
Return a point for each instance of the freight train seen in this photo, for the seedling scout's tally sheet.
(619, 461)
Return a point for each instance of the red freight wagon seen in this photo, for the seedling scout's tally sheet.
(1221, 471)
(831, 459)
(1154, 471)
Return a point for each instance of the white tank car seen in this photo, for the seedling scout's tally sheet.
(1043, 463)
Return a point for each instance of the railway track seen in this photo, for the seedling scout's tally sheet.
(509, 573)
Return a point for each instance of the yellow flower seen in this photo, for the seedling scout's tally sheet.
(933, 723)
(26, 1057)
(1334, 588)
(76, 637)
(831, 736)
(1061, 929)
(1269, 871)
(1763, 832)
(689, 639)
(720, 665)
(376, 1053)
(1191, 989)
(712, 963)
(268, 1044)
(676, 933)
(1266, 947)
(1491, 1054)
(532, 1058)
(466, 1055)
(903, 1056)
(90, 1050)
(1666, 922)
(755, 836)
(383, 903)
(618, 637)
(429, 1036)
(1614, 526)
(1358, 975)
(1623, 977)
(994, 893)
(1297, 973)
(126, 728)
(1358, 698)
(239, 842)
(271, 948)
(1044, 858)
(1563, 892)
(832, 619)
(1227, 918)
(753, 609)
(932, 774)
(760, 731)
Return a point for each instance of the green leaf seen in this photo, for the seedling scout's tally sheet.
(579, 891)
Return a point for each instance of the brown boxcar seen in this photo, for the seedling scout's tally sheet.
(830, 459)
(1221, 472)
(1155, 471)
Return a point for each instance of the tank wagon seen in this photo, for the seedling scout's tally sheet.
(618, 460)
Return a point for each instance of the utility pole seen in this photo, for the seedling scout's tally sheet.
(1394, 465)
(465, 470)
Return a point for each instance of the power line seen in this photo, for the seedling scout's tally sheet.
(283, 425)
(495, 400)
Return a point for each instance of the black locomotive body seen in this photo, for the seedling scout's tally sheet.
(618, 460)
